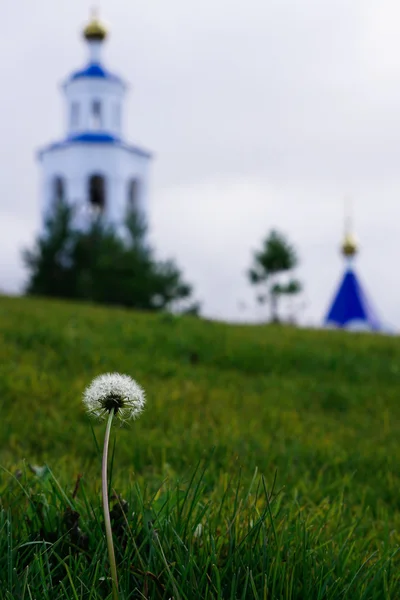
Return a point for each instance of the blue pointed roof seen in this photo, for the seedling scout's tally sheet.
(95, 137)
(351, 305)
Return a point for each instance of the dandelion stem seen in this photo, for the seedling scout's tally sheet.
(107, 520)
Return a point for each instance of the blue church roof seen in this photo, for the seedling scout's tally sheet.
(351, 305)
(94, 70)
(95, 137)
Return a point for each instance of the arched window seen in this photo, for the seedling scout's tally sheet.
(58, 192)
(96, 117)
(97, 193)
(133, 194)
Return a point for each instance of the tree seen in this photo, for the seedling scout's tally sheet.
(49, 262)
(275, 258)
(104, 265)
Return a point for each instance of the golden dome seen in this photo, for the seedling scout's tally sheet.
(349, 246)
(95, 30)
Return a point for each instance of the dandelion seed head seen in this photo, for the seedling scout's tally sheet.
(114, 391)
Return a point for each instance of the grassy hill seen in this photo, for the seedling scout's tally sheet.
(317, 413)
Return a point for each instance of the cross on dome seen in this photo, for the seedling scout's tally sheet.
(349, 247)
(95, 30)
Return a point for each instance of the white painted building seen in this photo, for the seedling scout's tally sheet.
(93, 167)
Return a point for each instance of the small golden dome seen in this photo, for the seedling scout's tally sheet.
(349, 246)
(95, 30)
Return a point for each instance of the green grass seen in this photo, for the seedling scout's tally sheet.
(266, 464)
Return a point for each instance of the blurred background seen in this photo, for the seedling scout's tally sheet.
(260, 115)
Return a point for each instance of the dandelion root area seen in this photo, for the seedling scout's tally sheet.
(317, 410)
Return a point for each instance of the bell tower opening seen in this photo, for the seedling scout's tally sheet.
(133, 194)
(58, 192)
(97, 193)
(96, 115)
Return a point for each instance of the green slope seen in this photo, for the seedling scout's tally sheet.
(314, 405)
(318, 410)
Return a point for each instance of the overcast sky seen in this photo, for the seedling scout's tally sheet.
(261, 114)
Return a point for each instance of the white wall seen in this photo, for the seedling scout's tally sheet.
(83, 92)
(78, 161)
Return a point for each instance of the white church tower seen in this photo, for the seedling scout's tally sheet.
(93, 167)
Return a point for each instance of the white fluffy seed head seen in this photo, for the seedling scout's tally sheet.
(114, 391)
